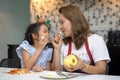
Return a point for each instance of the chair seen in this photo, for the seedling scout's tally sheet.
(10, 63)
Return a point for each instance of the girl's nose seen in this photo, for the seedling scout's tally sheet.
(48, 34)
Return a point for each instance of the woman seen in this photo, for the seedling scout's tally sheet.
(34, 52)
(92, 58)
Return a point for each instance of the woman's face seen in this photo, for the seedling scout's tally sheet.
(65, 26)
(43, 32)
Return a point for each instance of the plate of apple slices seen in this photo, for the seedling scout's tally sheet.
(57, 75)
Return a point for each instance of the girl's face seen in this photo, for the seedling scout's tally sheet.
(43, 32)
(65, 26)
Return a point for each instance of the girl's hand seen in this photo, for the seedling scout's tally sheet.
(37, 68)
(42, 42)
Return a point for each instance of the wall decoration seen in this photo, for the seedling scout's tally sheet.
(102, 15)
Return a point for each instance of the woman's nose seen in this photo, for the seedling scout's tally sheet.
(61, 26)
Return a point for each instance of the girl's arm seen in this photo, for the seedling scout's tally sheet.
(28, 60)
(48, 66)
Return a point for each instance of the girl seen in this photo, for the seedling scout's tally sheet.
(34, 52)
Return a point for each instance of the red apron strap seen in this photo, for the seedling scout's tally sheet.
(88, 50)
(69, 48)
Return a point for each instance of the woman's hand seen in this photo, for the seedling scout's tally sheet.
(98, 68)
(80, 65)
(37, 68)
(57, 41)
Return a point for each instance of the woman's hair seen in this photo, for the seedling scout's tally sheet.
(80, 27)
(32, 28)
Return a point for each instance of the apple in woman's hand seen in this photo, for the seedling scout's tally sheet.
(70, 60)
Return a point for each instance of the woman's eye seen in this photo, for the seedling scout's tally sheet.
(61, 22)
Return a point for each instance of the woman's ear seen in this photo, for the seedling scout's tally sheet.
(34, 36)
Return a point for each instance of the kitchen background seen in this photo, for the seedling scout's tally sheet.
(14, 18)
(15, 15)
(102, 15)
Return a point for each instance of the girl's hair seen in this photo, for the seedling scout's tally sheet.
(32, 28)
(80, 27)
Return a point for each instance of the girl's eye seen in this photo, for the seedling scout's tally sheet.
(46, 32)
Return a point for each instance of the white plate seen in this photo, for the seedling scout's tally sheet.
(54, 75)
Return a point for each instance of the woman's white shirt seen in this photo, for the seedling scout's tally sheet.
(97, 48)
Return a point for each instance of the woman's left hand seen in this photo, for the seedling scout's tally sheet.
(80, 65)
(37, 68)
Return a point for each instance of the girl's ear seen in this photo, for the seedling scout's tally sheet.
(34, 36)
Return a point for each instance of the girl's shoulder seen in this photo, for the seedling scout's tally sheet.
(25, 42)
(25, 45)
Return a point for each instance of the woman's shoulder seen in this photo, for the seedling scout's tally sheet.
(95, 37)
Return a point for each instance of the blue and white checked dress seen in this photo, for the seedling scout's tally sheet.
(45, 56)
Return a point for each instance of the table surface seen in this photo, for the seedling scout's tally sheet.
(37, 76)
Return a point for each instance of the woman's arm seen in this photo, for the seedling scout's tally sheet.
(98, 68)
(56, 64)
(57, 43)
